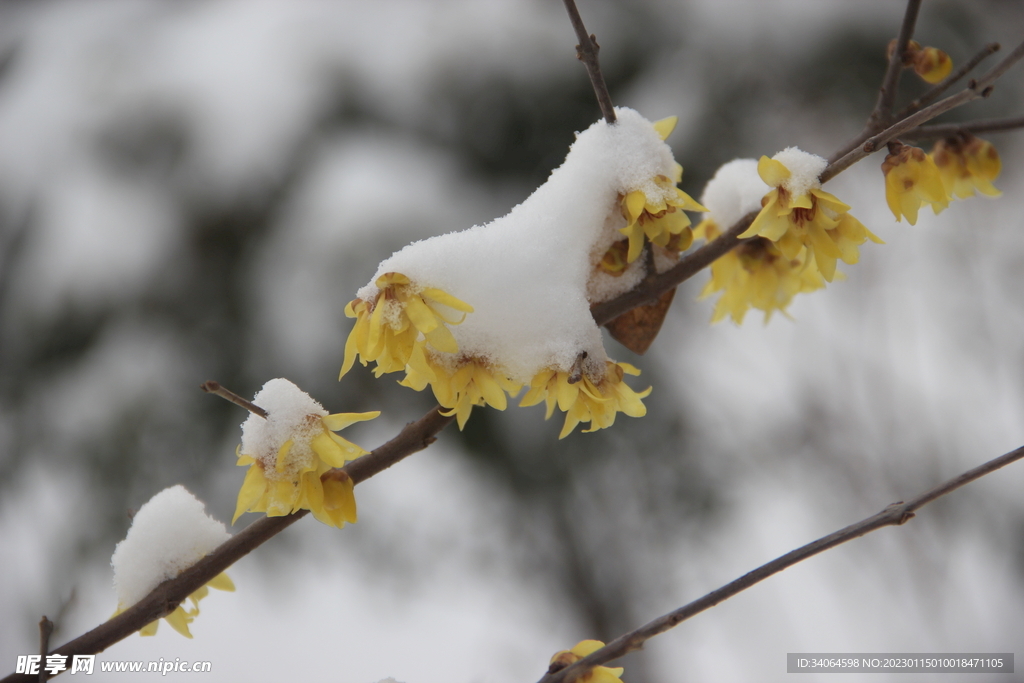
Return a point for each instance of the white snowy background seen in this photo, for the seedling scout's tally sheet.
(193, 191)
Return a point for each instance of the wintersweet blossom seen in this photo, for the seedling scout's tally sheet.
(967, 163)
(473, 382)
(797, 213)
(477, 314)
(599, 674)
(755, 274)
(169, 534)
(180, 618)
(912, 179)
(585, 400)
(659, 216)
(287, 453)
(400, 317)
(930, 63)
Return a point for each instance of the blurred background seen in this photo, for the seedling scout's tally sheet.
(194, 190)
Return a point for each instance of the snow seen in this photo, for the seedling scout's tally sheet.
(526, 274)
(734, 191)
(804, 168)
(168, 534)
(292, 415)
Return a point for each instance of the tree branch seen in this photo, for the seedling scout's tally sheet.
(212, 387)
(946, 130)
(893, 515)
(586, 52)
(162, 600)
(882, 114)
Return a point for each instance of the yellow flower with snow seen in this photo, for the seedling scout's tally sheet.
(966, 164)
(471, 382)
(180, 618)
(797, 213)
(755, 274)
(591, 394)
(290, 450)
(599, 674)
(658, 214)
(912, 179)
(168, 534)
(402, 316)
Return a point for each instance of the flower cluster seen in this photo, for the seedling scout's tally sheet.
(659, 216)
(477, 315)
(966, 164)
(756, 274)
(599, 674)
(956, 168)
(797, 214)
(290, 450)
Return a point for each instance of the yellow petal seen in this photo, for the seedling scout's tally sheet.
(772, 172)
(441, 339)
(150, 628)
(253, 488)
(635, 203)
(179, 621)
(338, 421)
(420, 315)
(282, 455)
(446, 299)
(222, 582)
(665, 126)
(492, 393)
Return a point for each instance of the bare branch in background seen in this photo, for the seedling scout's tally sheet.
(212, 387)
(946, 130)
(45, 630)
(586, 52)
(893, 515)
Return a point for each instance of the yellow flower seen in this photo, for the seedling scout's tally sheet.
(658, 217)
(811, 218)
(966, 164)
(930, 63)
(599, 674)
(756, 274)
(584, 398)
(473, 382)
(180, 618)
(912, 179)
(402, 316)
(284, 476)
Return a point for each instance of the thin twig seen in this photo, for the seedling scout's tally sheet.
(948, 82)
(162, 600)
(586, 52)
(881, 116)
(45, 630)
(893, 515)
(946, 130)
(212, 387)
